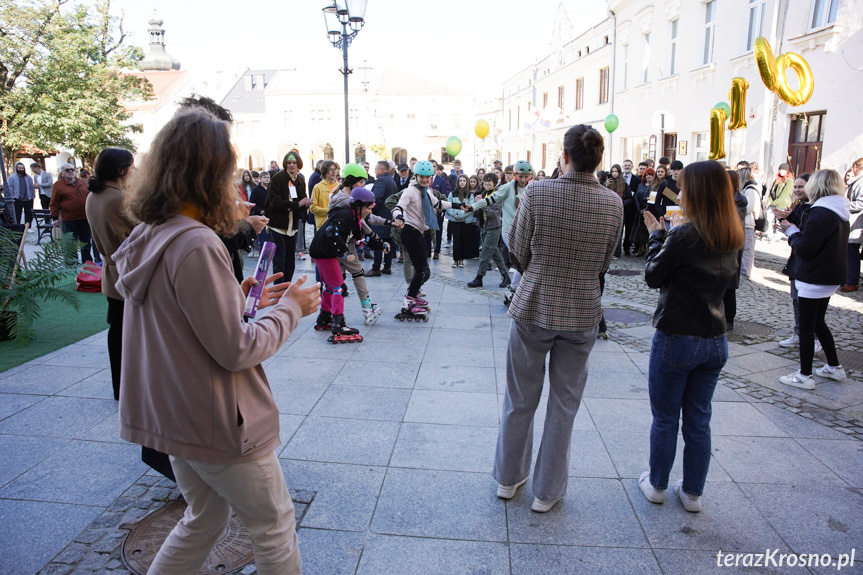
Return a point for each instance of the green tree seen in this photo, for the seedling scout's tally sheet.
(71, 89)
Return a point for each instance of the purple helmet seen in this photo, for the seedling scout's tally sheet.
(362, 195)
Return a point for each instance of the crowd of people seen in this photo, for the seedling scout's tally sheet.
(172, 236)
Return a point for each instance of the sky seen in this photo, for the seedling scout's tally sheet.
(461, 43)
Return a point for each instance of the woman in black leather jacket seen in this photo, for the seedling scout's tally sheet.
(692, 264)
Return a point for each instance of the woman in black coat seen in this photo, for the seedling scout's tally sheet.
(818, 264)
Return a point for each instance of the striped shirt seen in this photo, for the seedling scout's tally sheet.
(564, 236)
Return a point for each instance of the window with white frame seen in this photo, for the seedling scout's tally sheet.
(645, 62)
(702, 146)
(625, 64)
(823, 13)
(756, 22)
(709, 31)
(674, 31)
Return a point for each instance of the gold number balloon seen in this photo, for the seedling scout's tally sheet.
(796, 62)
(737, 96)
(772, 70)
(717, 133)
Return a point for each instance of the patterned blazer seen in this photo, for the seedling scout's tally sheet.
(564, 235)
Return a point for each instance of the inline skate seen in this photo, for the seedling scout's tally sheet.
(324, 322)
(343, 333)
(371, 311)
(412, 311)
(418, 300)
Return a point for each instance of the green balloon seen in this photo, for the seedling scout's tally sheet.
(611, 123)
(453, 146)
(723, 106)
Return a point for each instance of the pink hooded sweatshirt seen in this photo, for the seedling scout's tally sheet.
(192, 381)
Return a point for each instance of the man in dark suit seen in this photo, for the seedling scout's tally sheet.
(403, 178)
(632, 180)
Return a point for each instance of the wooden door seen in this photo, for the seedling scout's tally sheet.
(670, 146)
(805, 142)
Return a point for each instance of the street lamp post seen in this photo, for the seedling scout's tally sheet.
(339, 17)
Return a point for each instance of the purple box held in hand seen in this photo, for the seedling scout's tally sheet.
(267, 253)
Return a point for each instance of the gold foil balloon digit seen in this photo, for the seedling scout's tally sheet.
(766, 62)
(801, 67)
(737, 96)
(717, 133)
(772, 70)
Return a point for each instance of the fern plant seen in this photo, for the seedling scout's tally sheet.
(24, 290)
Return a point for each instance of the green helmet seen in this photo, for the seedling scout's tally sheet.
(355, 170)
(424, 168)
(522, 167)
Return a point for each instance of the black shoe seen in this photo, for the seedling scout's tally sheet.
(505, 282)
(373, 273)
(387, 271)
(475, 282)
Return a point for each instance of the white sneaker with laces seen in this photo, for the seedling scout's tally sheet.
(817, 346)
(798, 380)
(791, 342)
(691, 503)
(508, 491)
(831, 372)
(653, 494)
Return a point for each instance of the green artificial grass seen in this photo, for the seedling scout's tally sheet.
(59, 326)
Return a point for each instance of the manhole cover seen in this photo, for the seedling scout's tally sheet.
(624, 273)
(742, 328)
(850, 359)
(231, 553)
(620, 315)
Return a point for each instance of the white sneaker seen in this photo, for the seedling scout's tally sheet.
(830, 372)
(799, 380)
(508, 491)
(791, 342)
(541, 506)
(653, 494)
(817, 347)
(691, 503)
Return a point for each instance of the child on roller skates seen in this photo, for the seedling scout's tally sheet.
(330, 244)
(353, 176)
(416, 208)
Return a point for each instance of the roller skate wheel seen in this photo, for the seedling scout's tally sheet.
(425, 318)
(410, 318)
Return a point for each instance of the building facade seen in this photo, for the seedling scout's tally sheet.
(569, 85)
(392, 115)
(674, 60)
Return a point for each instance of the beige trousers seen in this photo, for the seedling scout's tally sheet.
(257, 493)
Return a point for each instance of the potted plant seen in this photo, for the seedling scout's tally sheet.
(24, 289)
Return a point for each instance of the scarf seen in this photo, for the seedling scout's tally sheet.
(428, 210)
(23, 192)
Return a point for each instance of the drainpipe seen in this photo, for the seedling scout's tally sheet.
(775, 102)
(613, 73)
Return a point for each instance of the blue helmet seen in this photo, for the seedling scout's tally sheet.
(424, 168)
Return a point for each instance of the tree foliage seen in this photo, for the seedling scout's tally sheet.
(61, 68)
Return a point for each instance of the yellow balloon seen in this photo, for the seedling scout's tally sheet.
(717, 133)
(796, 62)
(766, 62)
(737, 97)
(481, 129)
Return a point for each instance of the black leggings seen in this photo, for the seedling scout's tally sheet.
(812, 323)
(414, 245)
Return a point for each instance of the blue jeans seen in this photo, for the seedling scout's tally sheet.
(682, 377)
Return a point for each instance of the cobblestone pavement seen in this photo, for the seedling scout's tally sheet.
(387, 447)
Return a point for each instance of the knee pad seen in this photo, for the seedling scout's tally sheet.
(359, 274)
(333, 291)
(426, 274)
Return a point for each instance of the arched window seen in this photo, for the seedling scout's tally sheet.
(400, 156)
(328, 152)
(360, 154)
